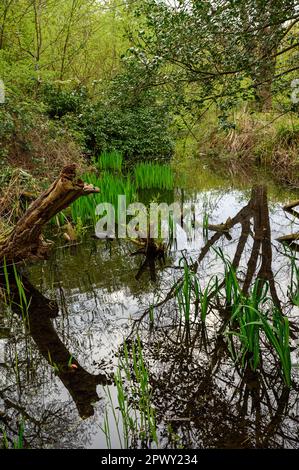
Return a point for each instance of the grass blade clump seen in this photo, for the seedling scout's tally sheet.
(110, 161)
(136, 422)
(111, 186)
(153, 175)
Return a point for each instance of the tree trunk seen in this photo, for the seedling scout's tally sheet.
(25, 240)
(263, 87)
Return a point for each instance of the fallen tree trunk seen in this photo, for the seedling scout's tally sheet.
(26, 240)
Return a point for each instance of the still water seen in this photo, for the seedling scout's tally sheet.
(87, 299)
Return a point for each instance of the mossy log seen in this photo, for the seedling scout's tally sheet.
(25, 241)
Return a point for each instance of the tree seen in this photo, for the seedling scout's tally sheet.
(218, 49)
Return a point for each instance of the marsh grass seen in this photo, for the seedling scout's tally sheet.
(184, 293)
(9, 299)
(205, 227)
(135, 422)
(17, 443)
(152, 175)
(192, 298)
(293, 290)
(110, 161)
(111, 186)
(252, 319)
(15, 299)
(266, 140)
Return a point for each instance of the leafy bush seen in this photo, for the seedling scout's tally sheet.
(60, 102)
(140, 133)
(134, 122)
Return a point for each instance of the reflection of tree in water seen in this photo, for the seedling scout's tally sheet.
(210, 403)
(54, 419)
(197, 389)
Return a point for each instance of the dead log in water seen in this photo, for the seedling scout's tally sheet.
(26, 240)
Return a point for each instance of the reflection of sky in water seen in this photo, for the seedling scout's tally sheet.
(98, 295)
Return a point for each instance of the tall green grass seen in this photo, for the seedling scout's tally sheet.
(192, 299)
(17, 443)
(110, 161)
(111, 186)
(152, 175)
(136, 421)
(15, 300)
(251, 319)
(9, 298)
(293, 290)
(252, 316)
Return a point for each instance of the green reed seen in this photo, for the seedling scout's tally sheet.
(250, 318)
(189, 293)
(153, 175)
(151, 315)
(22, 303)
(245, 320)
(205, 227)
(191, 297)
(184, 293)
(15, 297)
(110, 161)
(137, 421)
(205, 295)
(278, 334)
(293, 290)
(18, 443)
(111, 186)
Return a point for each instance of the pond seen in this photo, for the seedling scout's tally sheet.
(204, 385)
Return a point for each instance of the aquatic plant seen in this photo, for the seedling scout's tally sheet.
(278, 335)
(110, 161)
(151, 315)
(205, 295)
(17, 443)
(293, 289)
(205, 227)
(152, 175)
(185, 291)
(136, 420)
(250, 318)
(245, 320)
(189, 293)
(111, 186)
(9, 299)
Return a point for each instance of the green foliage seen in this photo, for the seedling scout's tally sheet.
(134, 396)
(18, 117)
(184, 43)
(110, 161)
(60, 101)
(138, 133)
(151, 175)
(112, 186)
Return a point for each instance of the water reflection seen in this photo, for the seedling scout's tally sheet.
(39, 314)
(98, 295)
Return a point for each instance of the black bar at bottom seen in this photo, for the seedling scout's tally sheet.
(238, 459)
